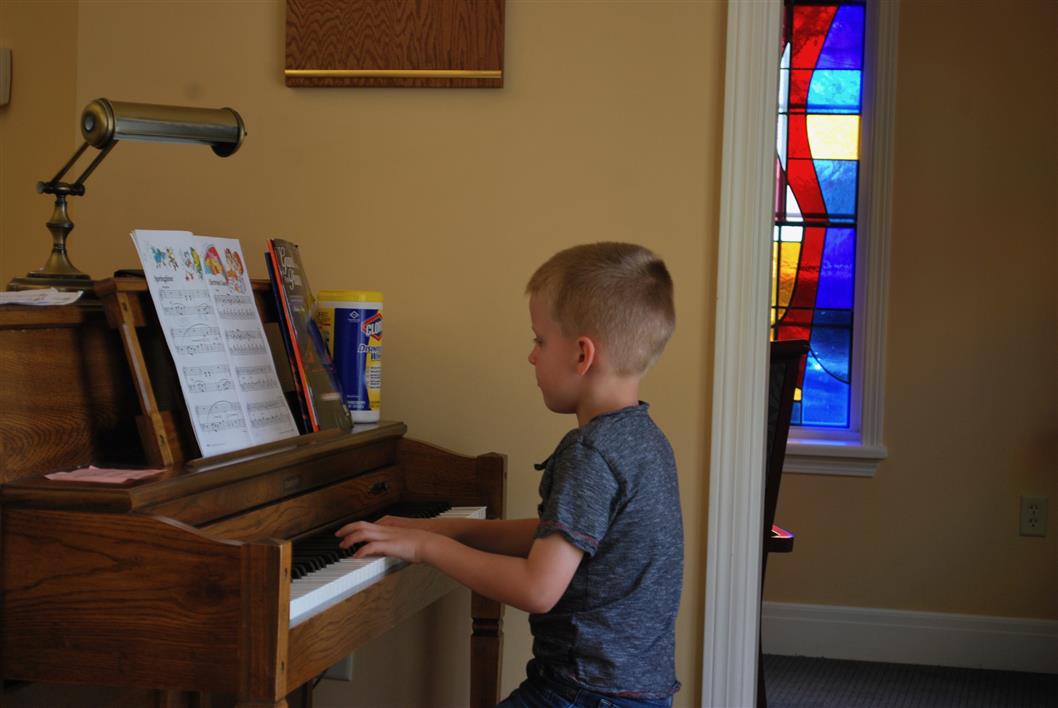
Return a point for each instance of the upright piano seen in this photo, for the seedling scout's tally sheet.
(182, 583)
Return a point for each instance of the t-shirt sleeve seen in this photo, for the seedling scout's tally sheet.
(578, 493)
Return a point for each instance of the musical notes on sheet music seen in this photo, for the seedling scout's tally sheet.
(196, 339)
(179, 309)
(196, 332)
(236, 307)
(205, 302)
(189, 295)
(266, 413)
(200, 348)
(202, 379)
(220, 416)
(245, 343)
(255, 378)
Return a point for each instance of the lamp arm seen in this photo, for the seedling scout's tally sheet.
(79, 184)
(69, 163)
(54, 186)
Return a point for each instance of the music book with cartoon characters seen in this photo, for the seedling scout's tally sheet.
(206, 309)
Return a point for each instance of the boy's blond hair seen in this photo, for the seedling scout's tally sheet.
(618, 293)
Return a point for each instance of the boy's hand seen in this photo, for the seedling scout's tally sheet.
(407, 523)
(385, 539)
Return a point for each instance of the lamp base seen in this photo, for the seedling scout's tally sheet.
(37, 280)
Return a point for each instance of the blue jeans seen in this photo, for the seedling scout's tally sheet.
(541, 692)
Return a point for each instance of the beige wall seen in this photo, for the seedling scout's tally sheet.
(38, 126)
(608, 128)
(971, 413)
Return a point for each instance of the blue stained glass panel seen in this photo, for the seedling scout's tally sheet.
(836, 271)
(835, 91)
(837, 180)
(843, 48)
(829, 403)
(831, 339)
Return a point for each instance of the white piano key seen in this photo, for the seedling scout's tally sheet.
(323, 588)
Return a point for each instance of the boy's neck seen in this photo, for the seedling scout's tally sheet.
(606, 394)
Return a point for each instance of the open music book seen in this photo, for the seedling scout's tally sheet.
(206, 309)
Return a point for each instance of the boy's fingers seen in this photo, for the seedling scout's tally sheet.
(368, 549)
(351, 528)
(399, 522)
(352, 533)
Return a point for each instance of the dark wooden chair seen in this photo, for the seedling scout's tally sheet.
(785, 363)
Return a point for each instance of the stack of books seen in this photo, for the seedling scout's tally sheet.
(319, 394)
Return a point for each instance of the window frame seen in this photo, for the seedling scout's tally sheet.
(859, 449)
(735, 514)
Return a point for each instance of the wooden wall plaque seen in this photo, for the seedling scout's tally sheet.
(404, 43)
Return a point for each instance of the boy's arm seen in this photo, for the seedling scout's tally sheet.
(533, 583)
(512, 537)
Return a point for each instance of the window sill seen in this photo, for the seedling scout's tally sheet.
(847, 459)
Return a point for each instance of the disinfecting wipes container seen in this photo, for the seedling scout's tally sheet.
(351, 324)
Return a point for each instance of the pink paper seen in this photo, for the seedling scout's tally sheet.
(103, 474)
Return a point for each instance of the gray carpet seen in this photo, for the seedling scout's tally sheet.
(803, 682)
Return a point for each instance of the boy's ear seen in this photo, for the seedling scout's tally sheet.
(586, 354)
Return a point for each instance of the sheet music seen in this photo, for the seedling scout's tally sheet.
(206, 310)
(253, 368)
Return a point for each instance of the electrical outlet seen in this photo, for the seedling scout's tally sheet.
(1033, 516)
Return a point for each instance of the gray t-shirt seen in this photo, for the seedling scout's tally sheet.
(610, 488)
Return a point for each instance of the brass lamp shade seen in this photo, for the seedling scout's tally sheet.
(103, 124)
(104, 121)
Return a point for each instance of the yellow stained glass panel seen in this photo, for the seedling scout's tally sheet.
(786, 259)
(834, 137)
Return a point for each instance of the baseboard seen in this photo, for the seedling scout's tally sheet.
(905, 637)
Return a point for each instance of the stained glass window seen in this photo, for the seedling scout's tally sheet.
(817, 178)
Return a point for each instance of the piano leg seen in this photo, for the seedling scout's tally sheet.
(266, 618)
(486, 651)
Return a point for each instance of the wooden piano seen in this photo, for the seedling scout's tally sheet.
(182, 583)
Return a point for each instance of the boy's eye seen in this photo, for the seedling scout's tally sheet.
(537, 341)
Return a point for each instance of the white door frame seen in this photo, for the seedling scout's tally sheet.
(736, 468)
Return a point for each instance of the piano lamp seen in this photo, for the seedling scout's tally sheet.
(103, 124)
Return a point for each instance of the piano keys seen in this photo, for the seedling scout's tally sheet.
(327, 575)
(184, 583)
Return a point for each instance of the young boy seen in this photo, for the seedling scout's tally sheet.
(600, 570)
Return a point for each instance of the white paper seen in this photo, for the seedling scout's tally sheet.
(206, 310)
(43, 296)
(262, 397)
